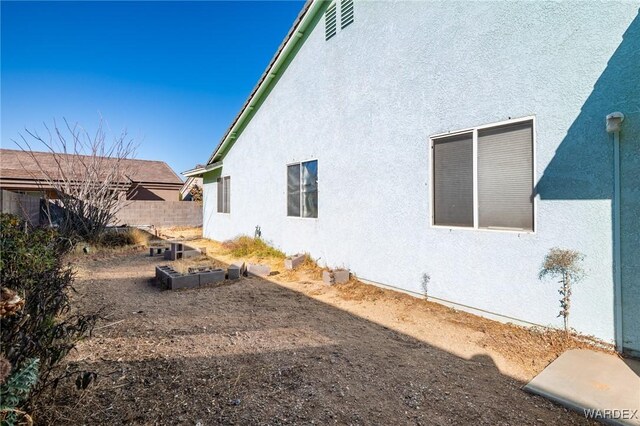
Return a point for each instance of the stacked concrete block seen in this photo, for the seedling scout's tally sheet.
(258, 269)
(196, 277)
(335, 276)
(233, 272)
(178, 281)
(182, 251)
(292, 262)
(154, 251)
(211, 276)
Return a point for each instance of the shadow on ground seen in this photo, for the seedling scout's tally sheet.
(255, 352)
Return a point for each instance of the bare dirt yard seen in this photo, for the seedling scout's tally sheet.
(290, 350)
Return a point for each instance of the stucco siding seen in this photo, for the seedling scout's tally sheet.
(364, 105)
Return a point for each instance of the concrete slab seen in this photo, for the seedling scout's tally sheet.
(598, 385)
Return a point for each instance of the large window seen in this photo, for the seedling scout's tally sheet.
(302, 189)
(483, 178)
(224, 187)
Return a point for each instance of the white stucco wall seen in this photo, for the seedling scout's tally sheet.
(364, 105)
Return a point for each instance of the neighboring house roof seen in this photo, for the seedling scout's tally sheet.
(17, 165)
(294, 37)
(188, 184)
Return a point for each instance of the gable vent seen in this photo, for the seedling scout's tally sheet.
(330, 24)
(346, 13)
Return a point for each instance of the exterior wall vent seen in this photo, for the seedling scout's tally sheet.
(346, 13)
(330, 24)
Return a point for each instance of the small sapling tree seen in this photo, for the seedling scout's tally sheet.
(564, 264)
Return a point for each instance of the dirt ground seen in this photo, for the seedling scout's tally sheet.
(290, 350)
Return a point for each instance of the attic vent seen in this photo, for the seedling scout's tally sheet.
(330, 24)
(346, 13)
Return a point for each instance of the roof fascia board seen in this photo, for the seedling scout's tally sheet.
(199, 171)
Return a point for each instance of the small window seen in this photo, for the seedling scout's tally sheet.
(483, 178)
(330, 23)
(346, 13)
(224, 199)
(302, 189)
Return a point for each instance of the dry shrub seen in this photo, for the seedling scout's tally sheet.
(125, 237)
(357, 290)
(245, 246)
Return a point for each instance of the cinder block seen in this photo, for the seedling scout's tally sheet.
(336, 276)
(341, 276)
(168, 254)
(292, 262)
(178, 281)
(190, 253)
(258, 269)
(233, 272)
(211, 277)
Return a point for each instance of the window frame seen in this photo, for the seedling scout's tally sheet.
(286, 198)
(474, 132)
(224, 195)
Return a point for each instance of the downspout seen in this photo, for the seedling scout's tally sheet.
(614, 121)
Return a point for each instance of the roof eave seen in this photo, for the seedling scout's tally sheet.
(199, 171)
(273, 70)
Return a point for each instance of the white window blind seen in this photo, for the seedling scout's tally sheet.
(224, 194)
(302, 189)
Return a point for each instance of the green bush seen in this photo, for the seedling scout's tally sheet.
(31, 264)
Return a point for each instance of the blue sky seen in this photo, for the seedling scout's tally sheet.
(173, 74)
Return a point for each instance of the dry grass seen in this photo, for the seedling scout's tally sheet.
(119, 237)
(308, 269)
(244, 246)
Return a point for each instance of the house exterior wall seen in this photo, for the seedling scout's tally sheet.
(365, 103)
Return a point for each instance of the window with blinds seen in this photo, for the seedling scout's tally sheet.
(505, 177)
(224, 196)
(453, 180)
(483, 178)
(302, 189)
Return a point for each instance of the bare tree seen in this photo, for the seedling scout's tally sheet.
(89, 175)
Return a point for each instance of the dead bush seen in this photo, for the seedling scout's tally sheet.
(245, 246)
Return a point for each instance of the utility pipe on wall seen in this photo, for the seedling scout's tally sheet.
(614, 121)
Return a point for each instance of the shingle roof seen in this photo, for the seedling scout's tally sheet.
(17, 164)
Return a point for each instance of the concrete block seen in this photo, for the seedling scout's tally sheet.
(190, 253)
(211, 277)
(178, 281)
(292, 262)
(258, 269)
(336, 276)
(233, 272)
(168, 254)
(341, 276)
